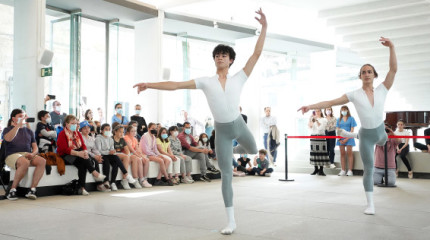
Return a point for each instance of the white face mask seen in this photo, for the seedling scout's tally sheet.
(48, 120)
(108, 133)
(204, 139)
(175, 133)
(58, 108)
(328, 112)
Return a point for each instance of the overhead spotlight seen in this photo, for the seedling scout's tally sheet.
(215, 24)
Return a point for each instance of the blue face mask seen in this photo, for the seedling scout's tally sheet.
(344, 113)
(163, 136)
(73, 127)
(119, 111)
(245, 155)
(137, 112)
(187, 131)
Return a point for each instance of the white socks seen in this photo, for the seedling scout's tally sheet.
(343, 133)
(370, 210)
(231, 222)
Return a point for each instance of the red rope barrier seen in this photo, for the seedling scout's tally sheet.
(427, 137)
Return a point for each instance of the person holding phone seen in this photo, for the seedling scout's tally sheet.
(56, 115)
(21, 153)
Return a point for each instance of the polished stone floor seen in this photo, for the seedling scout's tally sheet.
(311, 207)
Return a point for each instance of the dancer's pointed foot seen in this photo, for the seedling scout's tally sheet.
(229, 229)
(370, 210)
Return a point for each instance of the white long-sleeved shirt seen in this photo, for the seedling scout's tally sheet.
(266, 122)
(319, 129)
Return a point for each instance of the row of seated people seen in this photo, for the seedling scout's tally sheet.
(172, 150)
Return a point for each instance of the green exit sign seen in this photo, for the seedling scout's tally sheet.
(46, 72)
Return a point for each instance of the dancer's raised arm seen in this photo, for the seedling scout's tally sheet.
(325, 104)
(389, 79)
(169, 85)
(249, 66)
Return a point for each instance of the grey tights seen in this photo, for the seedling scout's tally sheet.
(225, 133)
(368, 138)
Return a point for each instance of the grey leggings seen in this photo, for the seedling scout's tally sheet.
(368, 138)
(225, 133)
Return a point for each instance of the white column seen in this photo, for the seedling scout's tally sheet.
(29, 41)
(148, 63)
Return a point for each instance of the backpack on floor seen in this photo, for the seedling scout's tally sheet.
(71, 188)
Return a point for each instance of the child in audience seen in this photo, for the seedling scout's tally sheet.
(176, 147)
(243, 161)
(140, 168)
(123, 153)
(262, 164)
(105, 145)
(163, 146)
(205, 144)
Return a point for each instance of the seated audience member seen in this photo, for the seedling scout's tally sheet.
(191, 149)
(186, 163)
(243, 161)
(142, 161)
(45, 133)
(123, 153)
(391, 160)
(426, 147)
(98, 126)
(142, 128)
(403, 147)
(204, 144)
(148, 144)
(89, 118)
(134, 124)
(212, 143)
(118, 117)
(105, 145)
(21, 152)
(94, 154)
(163, 146)
(56, 115)
(237, 173)
(262, 165)
(72, 148)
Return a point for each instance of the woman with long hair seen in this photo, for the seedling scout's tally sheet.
(347, 123)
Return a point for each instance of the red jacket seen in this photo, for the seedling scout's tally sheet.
(184, 142)
(63, 145)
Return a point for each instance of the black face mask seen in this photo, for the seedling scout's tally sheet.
(153, 131)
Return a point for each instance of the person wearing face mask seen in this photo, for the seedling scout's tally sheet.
(105, 145)
(330, 130)
(45, 133)
(186, 163)
(347, 123)
(204, 143)
(72, 148)
(21, 152)
(163, 146)
(148, 144)
(142, 127)
(243, 161)
(57, 118)
(141, 172)
(118, 116)
(192, 150)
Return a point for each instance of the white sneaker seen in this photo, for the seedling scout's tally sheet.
(125, 185)
(332, 166)
(146, 184)
(137, 185)
(113, 187)
(190, 179)
(268, 174)
(130, 179)
(342, 173)
(100, 178)
(102, 188)
(349, 173)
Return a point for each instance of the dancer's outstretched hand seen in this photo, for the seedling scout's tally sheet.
(141, 87)
(304, 109)
(262, 19)
(386, 42)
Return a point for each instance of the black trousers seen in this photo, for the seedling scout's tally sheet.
(403, 154)
(115, 162)
(331, 144)
(83, 165)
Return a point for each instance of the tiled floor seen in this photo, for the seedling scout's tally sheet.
(311, 207)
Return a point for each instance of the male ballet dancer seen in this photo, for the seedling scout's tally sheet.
(369, 103)
(223, 95)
